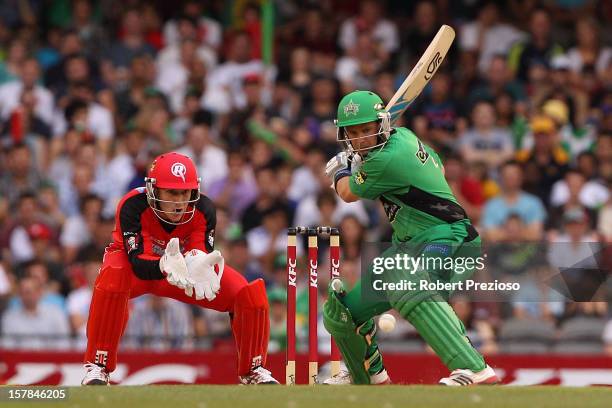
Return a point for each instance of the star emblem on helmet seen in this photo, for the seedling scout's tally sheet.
(351, 108)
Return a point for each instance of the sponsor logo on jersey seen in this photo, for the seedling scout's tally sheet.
(131, 241)
(421, 153)
(360, 177)
(179, 170)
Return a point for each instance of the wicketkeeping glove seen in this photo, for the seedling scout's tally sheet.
(201, 270)
(172, 263)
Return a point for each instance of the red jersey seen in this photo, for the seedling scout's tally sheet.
(144, 236)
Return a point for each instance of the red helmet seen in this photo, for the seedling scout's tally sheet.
(177, 172)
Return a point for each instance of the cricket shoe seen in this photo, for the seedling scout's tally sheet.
(258, 375)
(463, 377)
(344, 378)
(96, 375)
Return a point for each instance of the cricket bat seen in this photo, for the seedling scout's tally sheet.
(422, 73)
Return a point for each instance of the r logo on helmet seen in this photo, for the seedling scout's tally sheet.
(179, 170)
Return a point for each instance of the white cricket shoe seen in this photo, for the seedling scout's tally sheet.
(96, 375)
(344, 378)
(258, 375)
(464, 377)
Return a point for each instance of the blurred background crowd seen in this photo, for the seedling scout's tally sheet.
(91, 91)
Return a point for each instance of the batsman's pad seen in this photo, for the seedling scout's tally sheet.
(339, 323)
(439, 326)
(251, 326)
(108, 315)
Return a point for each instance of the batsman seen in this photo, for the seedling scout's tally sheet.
(392, 165)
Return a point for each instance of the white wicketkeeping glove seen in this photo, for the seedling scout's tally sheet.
(172, 263)
(201, 270)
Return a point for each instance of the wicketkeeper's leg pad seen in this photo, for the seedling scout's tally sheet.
(108, 315)
(439, 326)
(251, 326)
(352, 341)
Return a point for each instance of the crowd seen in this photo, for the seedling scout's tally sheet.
(91, 91)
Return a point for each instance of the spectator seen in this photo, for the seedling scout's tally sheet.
(15, 233)
(210, 159)
(546, 162)
(589, 50)
(132, 42)
(467, 189)
(159, 323)
(357, 70)
(12, 92)
(78, 230)
(89, 30)
(16, 55)
(540, 47)
(209, 31)
(488, 36)
(224, 90)
(46, 252)
(370, 19)
(237, 190)
(497, 81)
(485, 142)
(270, 238)
(570, 192)
(32, 325)
(513, 200)
(269, 193)
(20, 174)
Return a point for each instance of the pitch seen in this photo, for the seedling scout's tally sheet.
(202, 396)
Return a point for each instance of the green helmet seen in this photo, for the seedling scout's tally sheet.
(360, 107)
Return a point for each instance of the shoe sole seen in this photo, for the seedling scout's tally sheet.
(96, 382)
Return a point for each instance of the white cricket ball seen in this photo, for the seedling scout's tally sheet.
(386, 323)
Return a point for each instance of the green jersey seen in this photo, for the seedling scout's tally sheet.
(406, 176)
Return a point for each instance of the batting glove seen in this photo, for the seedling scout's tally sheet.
(201, 270)
(337, 167)
(172, 263)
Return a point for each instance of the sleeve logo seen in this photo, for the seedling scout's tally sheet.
(211, 238)
(360, 177)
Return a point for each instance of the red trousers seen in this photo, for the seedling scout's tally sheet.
(117, 283)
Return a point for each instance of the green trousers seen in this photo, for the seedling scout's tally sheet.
(427, 310)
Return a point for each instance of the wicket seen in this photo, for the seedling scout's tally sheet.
(334, 261)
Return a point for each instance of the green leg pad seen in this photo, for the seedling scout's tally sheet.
(439, 326)
(339, 323)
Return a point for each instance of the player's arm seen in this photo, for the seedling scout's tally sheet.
(146, 267)
(343, 188)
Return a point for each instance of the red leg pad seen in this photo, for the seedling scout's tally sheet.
(251, 326)
(108, 315)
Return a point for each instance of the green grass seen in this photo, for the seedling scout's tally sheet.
(201, 396)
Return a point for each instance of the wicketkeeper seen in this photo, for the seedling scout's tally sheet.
(407, 176)
(154, 227)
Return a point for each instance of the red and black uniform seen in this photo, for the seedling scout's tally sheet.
(131, 268)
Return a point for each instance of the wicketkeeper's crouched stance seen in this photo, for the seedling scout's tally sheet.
(394, 166)
(154, 226)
